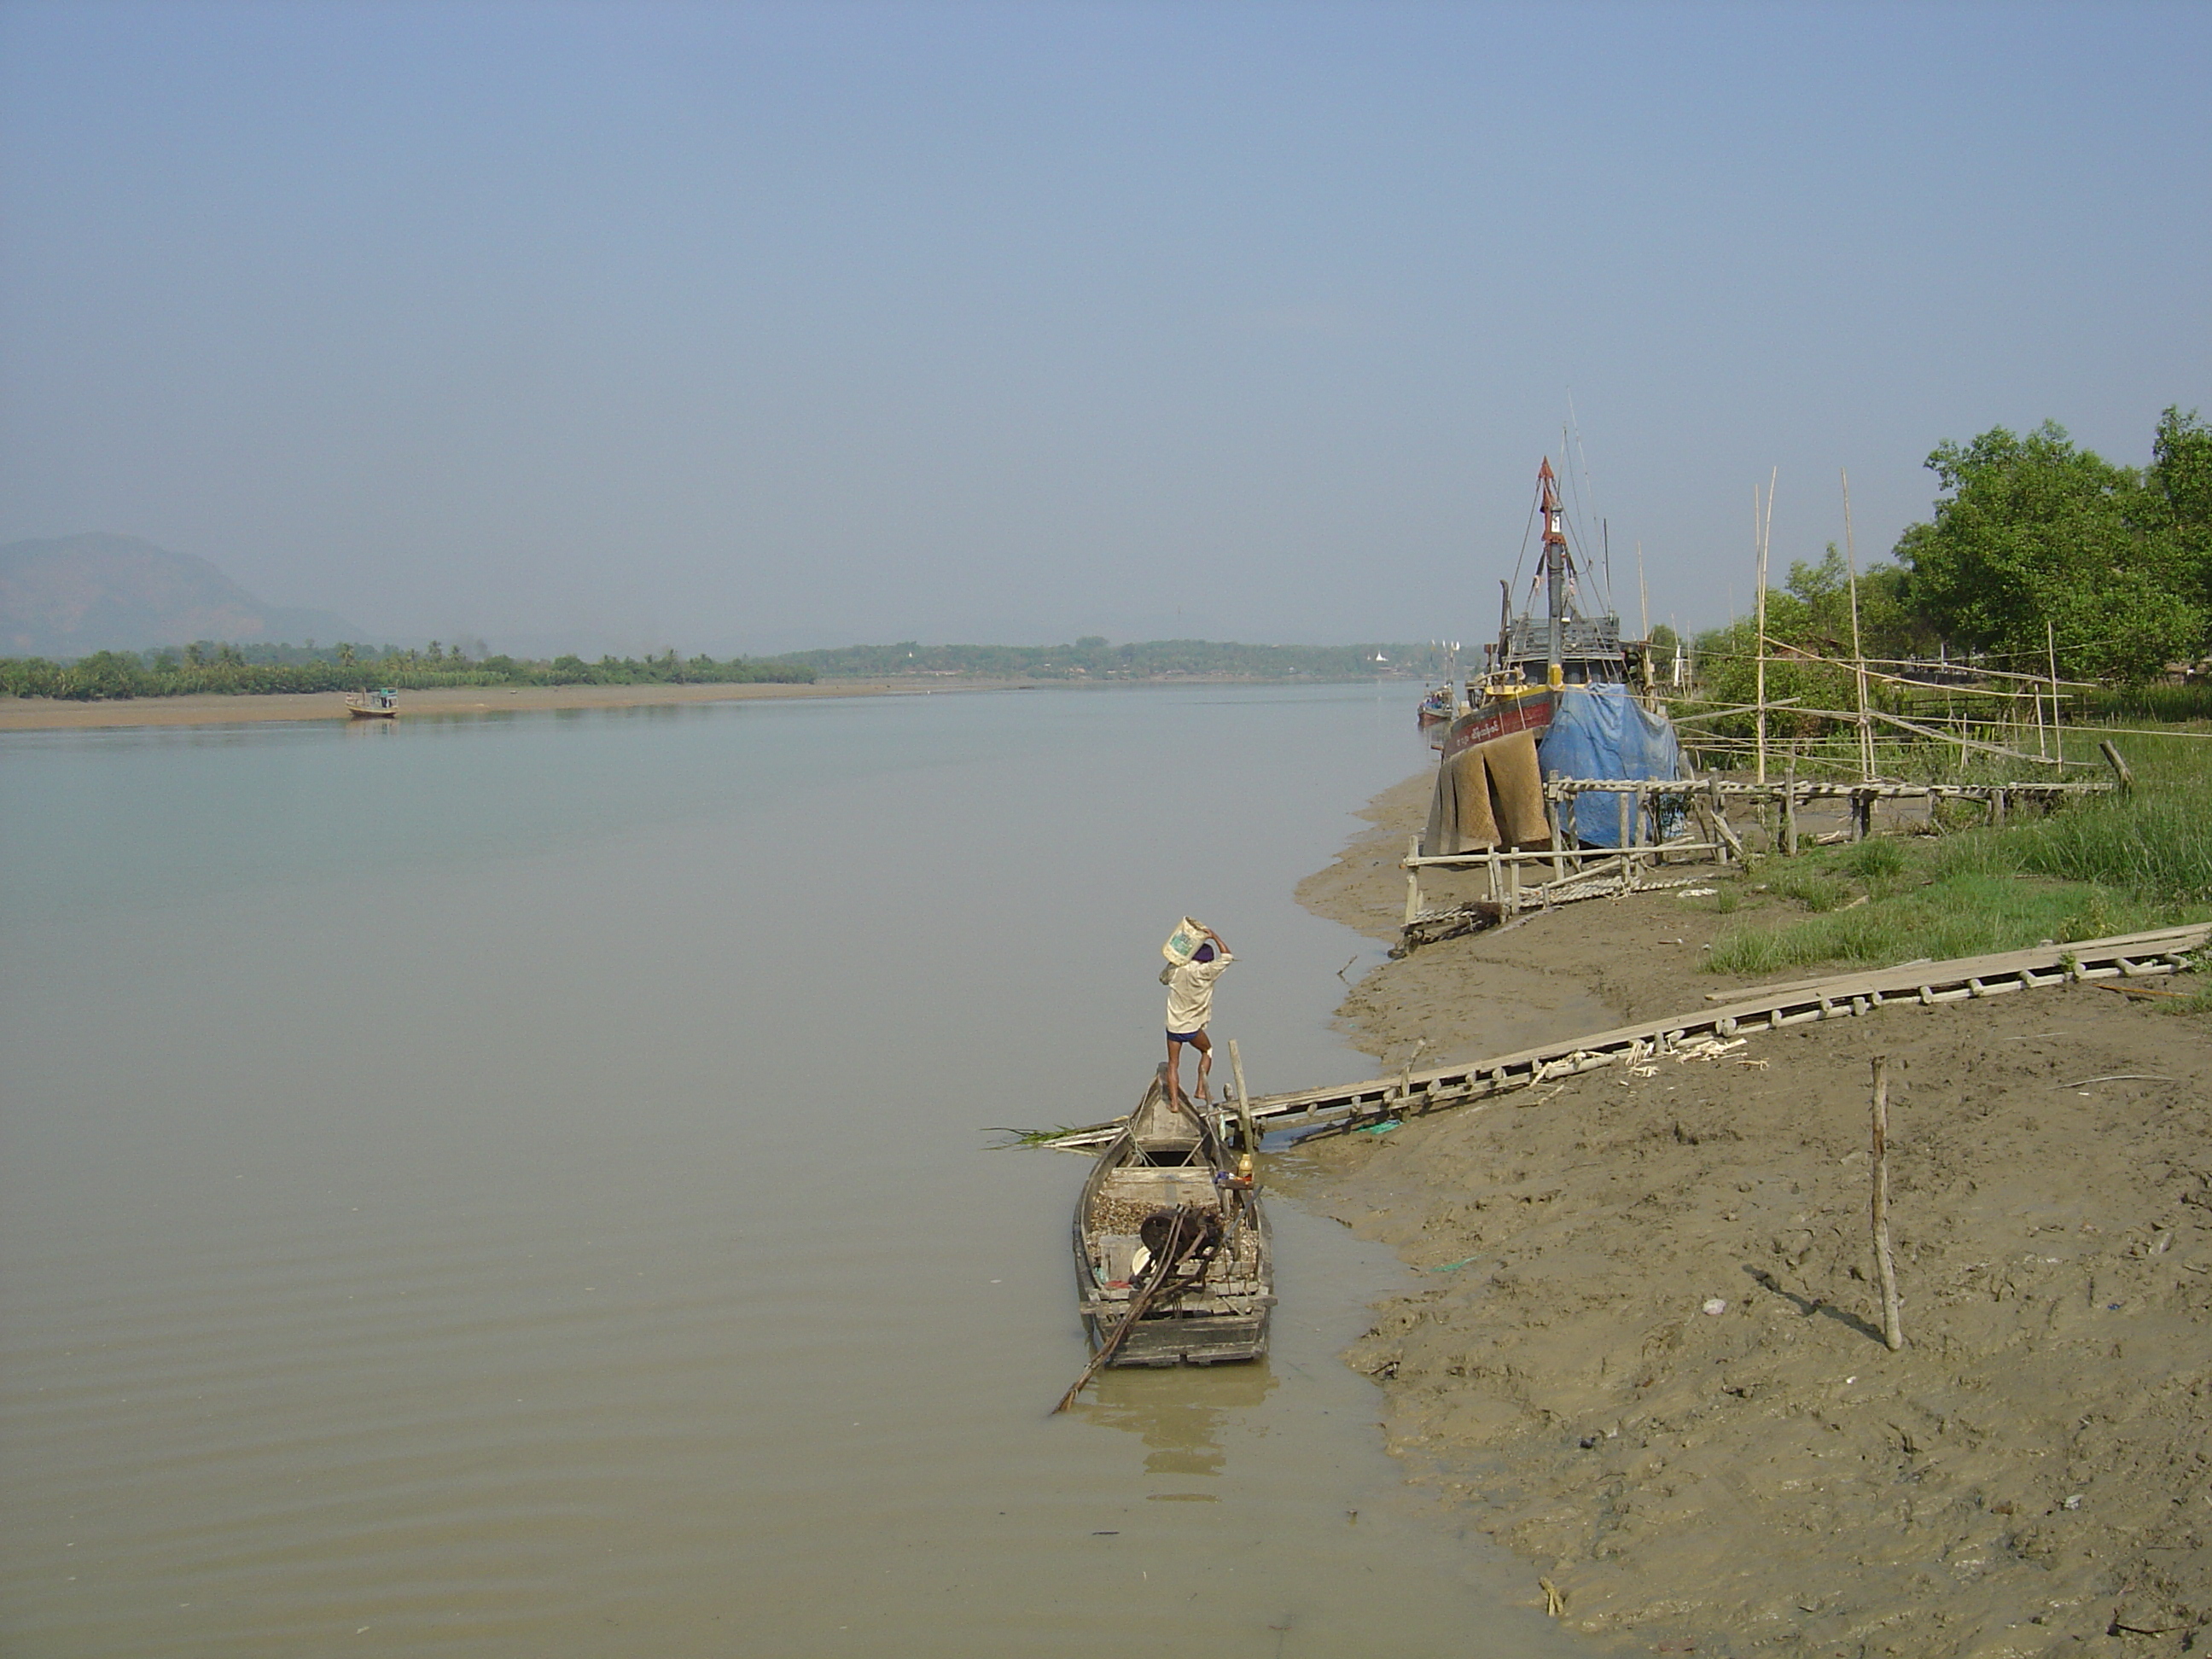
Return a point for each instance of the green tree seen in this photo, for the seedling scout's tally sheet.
(2033, 533)
(2179, 488)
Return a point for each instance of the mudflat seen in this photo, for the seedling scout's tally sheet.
(1646, 1354)
(29, 714)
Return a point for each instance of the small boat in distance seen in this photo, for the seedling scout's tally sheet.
(1173, 1263)
(379, 705)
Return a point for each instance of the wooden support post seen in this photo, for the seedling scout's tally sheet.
(2126, 778)
(1552, 818)
(2057, 733)
(1892, 1325)
(1790, 811)
(1996, 809)
(1496, 885)
(1413, 884)
(1731, 848)
(1621, 830)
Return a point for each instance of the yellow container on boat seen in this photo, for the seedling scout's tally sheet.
(1183, 943)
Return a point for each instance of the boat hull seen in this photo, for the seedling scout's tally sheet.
(1502, 717)
(1184, 1337)
(1221, 1318)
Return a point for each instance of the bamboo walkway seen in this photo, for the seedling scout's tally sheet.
(1768, 1008)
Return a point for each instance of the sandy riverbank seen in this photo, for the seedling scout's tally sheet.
(2031, 1474)
(26, 714)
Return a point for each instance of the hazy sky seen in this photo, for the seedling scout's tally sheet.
(759, 326)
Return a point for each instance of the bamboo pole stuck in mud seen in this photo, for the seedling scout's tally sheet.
(1858, 654)
(1758, 626)
(1884, 1261)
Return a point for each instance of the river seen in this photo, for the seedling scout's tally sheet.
(524, 1185)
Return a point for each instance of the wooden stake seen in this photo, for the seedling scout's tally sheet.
(1789, 808)
(1413, 884)
(1893, 1328)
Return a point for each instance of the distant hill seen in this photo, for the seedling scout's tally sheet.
(77, 594)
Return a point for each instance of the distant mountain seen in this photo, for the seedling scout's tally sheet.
(77, 594)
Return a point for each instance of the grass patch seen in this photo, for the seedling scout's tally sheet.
(2116, 864)
(1960, 915)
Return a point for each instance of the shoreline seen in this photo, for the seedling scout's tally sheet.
(2026, 1476)
(210, 708)
(46, 714)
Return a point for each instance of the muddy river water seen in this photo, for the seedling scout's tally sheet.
(523, 1186)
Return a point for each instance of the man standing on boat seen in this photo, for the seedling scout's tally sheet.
(1190, 1005)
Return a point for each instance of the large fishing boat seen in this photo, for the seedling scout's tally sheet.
(1535, 657)
(1560, 696)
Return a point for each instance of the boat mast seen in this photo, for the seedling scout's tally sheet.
(1555, 570)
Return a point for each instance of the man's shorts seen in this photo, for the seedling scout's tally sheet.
(1186, 1036)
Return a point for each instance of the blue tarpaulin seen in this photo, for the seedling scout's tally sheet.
(1600, 732)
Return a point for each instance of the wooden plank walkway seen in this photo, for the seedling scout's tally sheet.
(1844, 996)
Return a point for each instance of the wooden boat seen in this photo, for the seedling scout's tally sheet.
(383, 705)
(1168, 1223)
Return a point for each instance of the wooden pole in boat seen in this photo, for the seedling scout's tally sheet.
(1858, 654)
(1243, 1100)
(1251, 1137)
(1892, 1324)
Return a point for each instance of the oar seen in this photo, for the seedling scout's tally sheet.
(1170, 1254)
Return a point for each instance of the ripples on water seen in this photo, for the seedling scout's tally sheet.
(514, 1186)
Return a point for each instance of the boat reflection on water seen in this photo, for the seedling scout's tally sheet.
(1179, 1414)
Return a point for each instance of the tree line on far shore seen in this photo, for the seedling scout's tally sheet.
(207, 666)
(225, 669)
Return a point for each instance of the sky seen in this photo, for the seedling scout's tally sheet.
(758, 327)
